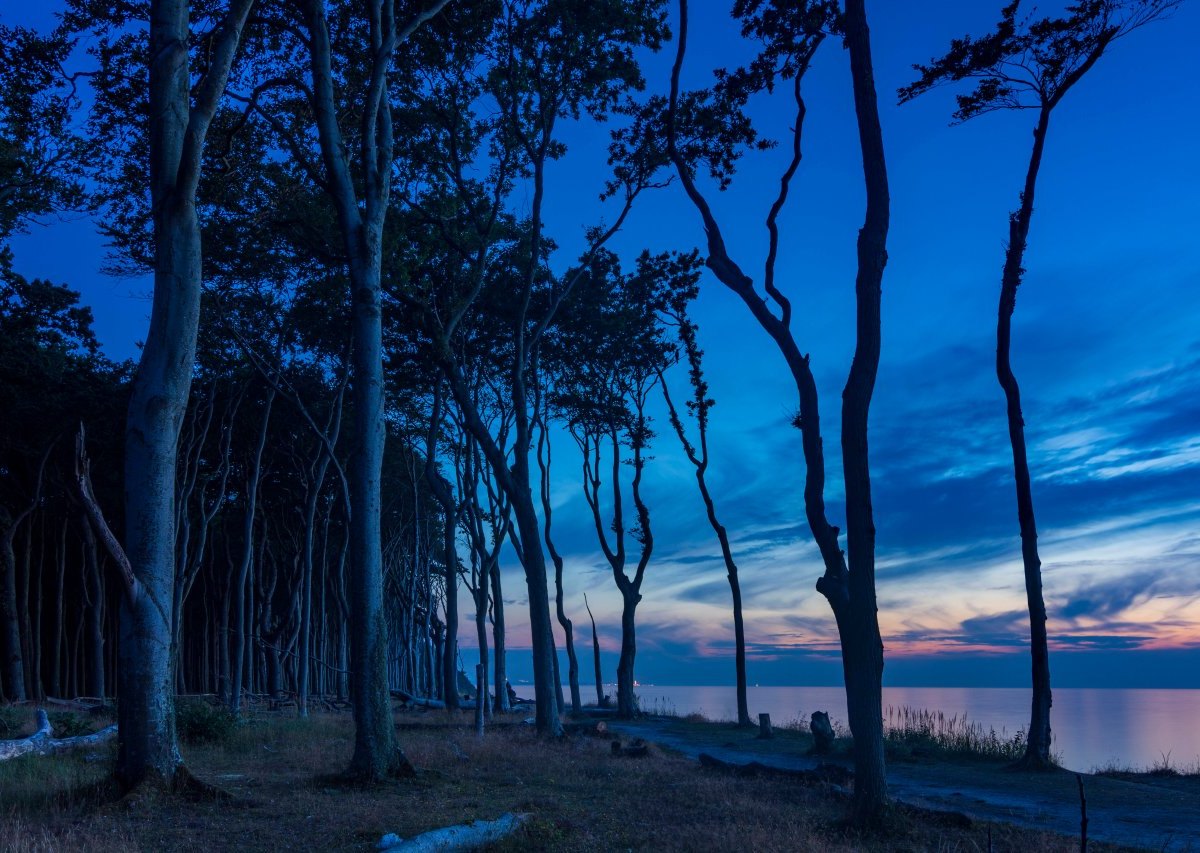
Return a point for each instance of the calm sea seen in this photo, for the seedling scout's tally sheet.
(1091, 727)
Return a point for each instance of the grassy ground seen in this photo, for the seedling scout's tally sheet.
(285, 796)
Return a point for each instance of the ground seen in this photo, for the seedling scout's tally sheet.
(280, 774)
(1156, 811)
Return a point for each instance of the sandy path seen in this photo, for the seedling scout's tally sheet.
(1149, 813)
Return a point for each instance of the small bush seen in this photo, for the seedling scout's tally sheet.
(198, 721)
(69, 724)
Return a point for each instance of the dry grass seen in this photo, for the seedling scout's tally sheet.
(912, 731)
(581, 796)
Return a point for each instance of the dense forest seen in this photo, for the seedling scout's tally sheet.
(368, 347)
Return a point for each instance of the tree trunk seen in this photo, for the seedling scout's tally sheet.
(600, 703)
(500, 666)
(1037, 744)
(858, 622)
(94, 613)
(541, 634)
(56, 665)
(375, 754)
(626, 701)
(146, 712)
(10, 631)
(241, 649)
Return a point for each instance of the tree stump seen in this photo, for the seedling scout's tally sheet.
(822, 732)
(765, 732)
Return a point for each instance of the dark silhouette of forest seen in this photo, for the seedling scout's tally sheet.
(367, 352)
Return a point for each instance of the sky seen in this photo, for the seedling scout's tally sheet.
(1106, 346)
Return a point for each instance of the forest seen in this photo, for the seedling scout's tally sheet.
(375, 353)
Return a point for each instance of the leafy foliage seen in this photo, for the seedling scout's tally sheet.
(1029, 62)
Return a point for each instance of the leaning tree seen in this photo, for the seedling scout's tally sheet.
(710, 128)
(1030, 63)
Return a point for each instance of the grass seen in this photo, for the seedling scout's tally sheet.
(913, 733)
(581, 796)
(1162, 768)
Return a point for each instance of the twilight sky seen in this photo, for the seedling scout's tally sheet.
(1107, 348)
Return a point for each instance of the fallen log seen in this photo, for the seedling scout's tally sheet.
(42, 742)
(466, 836)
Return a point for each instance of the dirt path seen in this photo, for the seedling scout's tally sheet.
(1146, 812)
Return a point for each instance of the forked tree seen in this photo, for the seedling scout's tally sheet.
(710, 128)
(1030, 63)
(181, 108)
(351, 159)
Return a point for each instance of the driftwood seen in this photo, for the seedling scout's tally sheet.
(42, 742)
(466, 836)
(824, 774)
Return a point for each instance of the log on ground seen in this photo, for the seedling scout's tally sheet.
(466, 836)
(42, 741)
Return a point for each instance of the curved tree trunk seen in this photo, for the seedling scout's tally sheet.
(858, 624)
(600, 698)
(146, 713)
(1037, 745)
(500, 665)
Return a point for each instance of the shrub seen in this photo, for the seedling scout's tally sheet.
(69, 724)
(198, 721)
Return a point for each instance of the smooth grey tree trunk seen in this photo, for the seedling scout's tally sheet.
(361, 224)
(146, 713)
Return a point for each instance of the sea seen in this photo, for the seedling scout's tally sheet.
(1091, 728)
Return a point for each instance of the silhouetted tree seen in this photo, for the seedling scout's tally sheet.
(1030, 63)
(710, 128)
(698, 405)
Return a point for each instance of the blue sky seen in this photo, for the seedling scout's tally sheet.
(1107, 347)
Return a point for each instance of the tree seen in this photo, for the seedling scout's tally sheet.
(39, 152)
(610, 354)
(710, 128)
(698, 406)
(1030, 63)
(544, 63)
(176, 118)
(352, 116)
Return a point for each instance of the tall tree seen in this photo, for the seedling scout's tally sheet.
(175, 119)
(611, 352)
(546, 63)
(698, 406)
(710, 128)
(351, 115)
(1030, 63)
